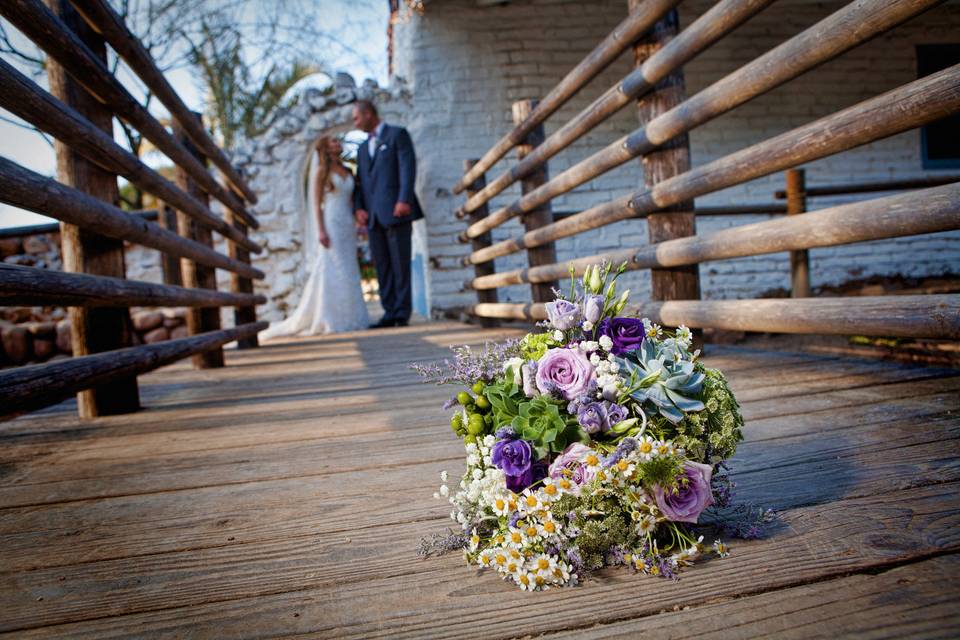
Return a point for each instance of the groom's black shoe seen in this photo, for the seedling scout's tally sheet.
(383, 323)
(401, 323)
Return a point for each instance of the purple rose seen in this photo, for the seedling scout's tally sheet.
(512, 456)
(616, 413)
(563, 314)
(686, 503)
(570, 464)
(593, 308)
(626, 334)
(535, 473)
(592, 417)
(565, 370)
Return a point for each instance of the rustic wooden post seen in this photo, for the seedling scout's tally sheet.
(543, 215)
(481, 241)
(93, 329)
(197, 275)
(800, 258)
(170, 264)
(238, 283)
(671, 159)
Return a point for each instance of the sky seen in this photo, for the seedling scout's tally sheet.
(360, 24)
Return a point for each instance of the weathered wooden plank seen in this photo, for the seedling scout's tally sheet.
(915, 601)
(241, 596)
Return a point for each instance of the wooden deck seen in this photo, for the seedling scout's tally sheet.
(286, 495)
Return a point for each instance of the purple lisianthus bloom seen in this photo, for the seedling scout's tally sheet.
(563, 314)
(686, 503)
(569, 464)
(593, 417)
(536, 473)
(593, 308)
(513, 456)
(566, 371)
(615, 413)
(626, 334)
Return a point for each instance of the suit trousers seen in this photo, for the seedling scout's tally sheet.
(390, 248)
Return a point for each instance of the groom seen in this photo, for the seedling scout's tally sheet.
(384, 201)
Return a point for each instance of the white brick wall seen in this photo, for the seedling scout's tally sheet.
(465, 65)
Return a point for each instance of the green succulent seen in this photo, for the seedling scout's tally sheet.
(664, 376)
(505, 398)
(540, 423)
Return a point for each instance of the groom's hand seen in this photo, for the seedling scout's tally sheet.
(401, 209)
(362, 216)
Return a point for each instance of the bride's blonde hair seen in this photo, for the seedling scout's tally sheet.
(324, 167)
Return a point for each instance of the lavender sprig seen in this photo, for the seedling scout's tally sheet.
(469, 366)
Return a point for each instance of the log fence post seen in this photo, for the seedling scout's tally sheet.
(542, 215)
(800, 258)
(93, 330)
(239, 283)
(195, 275)
(169, 264)
(667, 161)
(481, 241)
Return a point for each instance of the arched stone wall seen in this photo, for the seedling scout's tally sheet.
(275, 165)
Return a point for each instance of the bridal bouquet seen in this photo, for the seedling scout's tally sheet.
(599, 441)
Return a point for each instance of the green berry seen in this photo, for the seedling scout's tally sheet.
(475, 428)
(482, 403)
(470, 439)
(464, 398)
(478, 386)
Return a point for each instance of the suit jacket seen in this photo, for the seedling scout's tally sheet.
(387, 178)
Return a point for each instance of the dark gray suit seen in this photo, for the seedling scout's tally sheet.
(382, 181)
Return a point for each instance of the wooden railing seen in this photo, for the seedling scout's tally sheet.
(78, 111)
(666, 201)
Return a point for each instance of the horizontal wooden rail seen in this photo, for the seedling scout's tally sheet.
(624, 35)
(718, 21)
(29, 286)
(35, 386)
(835, 34)
(872, 187)
(29, 190)
(48, 32)
(105, 21)
(928, 211)
(54, 227)
(912, 105)
(26, 99)
(935, 316)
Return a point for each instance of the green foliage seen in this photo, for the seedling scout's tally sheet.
(662, 471)
(534, 345)
(540, 423)
(505, 399)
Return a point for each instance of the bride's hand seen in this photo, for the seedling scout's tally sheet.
(324, 239)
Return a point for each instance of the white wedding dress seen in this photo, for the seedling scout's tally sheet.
(332, 299)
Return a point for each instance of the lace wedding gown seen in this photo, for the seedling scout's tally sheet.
(332, 300)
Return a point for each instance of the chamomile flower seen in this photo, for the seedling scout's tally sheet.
(526, 580)
(532, 531)
(501, 506)
(646, 448)
(499, 558)
(550, 491)
(474, 540)
(664, 448)
(721, 549)
(516, 538)
(548, 527)
(530, 501)
(544, 564)
(646, 525)
(485, 557)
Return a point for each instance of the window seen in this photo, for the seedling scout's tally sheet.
(940, 140)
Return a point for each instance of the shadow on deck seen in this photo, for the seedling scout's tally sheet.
(286, 494)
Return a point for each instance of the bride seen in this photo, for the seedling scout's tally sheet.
(332, 300)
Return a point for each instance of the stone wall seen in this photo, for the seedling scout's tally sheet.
(464, 64)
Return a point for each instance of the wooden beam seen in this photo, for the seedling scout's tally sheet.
(48, 32)
(835, 34)
(83, 251)
(935, 316)
(542, 216)
(665, 162)
(169, 264)
(30, 286)
(243, 314)
(718, 21)
(873, 187)
(489, 295)
(799, 258)
(27, 100)
(111, 26)
(29, 190)
(912, 105)
(196, 275)
(596, 61)
(32, 387)
(929, 211)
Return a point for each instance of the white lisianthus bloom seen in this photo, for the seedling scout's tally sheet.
(515, 364)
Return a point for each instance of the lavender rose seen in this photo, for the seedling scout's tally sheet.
(569, 464)
(565, 370)
(592, 416)
(512, 456)
(686, 503)
(593, 308)
(563, 315)
(626, 334)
